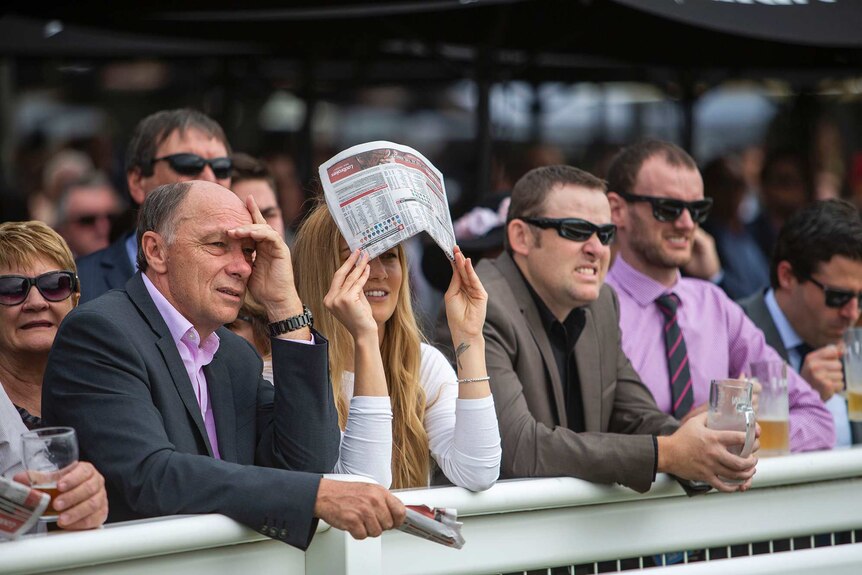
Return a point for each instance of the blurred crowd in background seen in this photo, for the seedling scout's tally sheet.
(766, 149)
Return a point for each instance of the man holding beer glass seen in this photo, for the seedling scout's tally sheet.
(816, 286)
(680, 333)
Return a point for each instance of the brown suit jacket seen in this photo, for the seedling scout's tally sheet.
(619, 412)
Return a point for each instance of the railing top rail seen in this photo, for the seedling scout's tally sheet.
(121, 541)
(168, 535)
(554, 492)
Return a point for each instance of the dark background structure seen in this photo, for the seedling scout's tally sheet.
(221, 52)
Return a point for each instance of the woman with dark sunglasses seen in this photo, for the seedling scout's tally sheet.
(38, 287)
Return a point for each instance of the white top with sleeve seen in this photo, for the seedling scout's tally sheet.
(463, 435)
(11, 428)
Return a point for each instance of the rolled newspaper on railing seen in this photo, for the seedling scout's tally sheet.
(439, 525)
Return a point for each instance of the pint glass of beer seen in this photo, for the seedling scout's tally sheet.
(853, 373)
(730, 410)
(48, 454)
(773, 412)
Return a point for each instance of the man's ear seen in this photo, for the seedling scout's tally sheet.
(520, 237)
(135, 180)
(618, 209)
(155, 251)
(786, 278)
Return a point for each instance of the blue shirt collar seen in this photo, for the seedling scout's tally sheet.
(788, 335)
(132, 249)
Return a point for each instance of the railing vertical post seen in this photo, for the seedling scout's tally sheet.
(335, 552)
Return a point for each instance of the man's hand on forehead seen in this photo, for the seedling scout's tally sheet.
(271, 283)
(252, 208)
(254, 231)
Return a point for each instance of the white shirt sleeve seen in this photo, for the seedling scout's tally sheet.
(11, 428)
(463, 434)
(366, 443)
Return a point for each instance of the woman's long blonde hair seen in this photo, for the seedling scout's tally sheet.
(316, 257)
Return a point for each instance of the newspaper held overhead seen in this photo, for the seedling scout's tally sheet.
(381, 193)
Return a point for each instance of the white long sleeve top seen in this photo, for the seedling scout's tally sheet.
(463, 435)
(11, 428)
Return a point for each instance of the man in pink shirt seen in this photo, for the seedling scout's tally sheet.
(657, 203)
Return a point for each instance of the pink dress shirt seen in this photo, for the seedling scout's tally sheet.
(721, 342)
(195, 355)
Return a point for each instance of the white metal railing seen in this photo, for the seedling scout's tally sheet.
(515, 526)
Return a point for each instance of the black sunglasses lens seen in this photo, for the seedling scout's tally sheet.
(667, 211)
(606, 234)
(579, 232)
(700, 211)
(55, 286)
(837, 298)
(192, 165)
(13, 290)
(186, 164)
(582, 231)
(221, 167)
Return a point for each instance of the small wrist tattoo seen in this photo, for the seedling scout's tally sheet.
(464, 346)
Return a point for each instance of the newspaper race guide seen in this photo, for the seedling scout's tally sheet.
(382, 193)
(439, 525)
(20, 508)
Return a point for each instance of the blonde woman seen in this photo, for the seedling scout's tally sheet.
(400, 403)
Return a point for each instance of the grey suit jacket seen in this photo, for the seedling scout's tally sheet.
(619, 412)
(755, 308)
(115, 375)
(104, 270)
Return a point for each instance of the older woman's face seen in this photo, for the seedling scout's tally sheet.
(30, 327)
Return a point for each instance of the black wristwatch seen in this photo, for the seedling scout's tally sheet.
(294, 323)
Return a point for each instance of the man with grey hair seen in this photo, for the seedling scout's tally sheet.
(171, 406)
(85, 213)
(167, 146)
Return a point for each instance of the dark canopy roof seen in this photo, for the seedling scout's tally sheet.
(530, 39)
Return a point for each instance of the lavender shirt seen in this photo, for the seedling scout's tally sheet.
(721, 343)
(194, 353)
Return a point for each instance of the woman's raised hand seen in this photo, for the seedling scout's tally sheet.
(466, 301)
(346, 298)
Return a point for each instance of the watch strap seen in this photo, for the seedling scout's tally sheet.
(293, 323)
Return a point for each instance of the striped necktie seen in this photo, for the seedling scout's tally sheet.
(682, 394)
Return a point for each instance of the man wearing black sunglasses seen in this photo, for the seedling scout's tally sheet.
(680, 332)
(167, 146)
(815, 295)
(567, 399)
(88, 206)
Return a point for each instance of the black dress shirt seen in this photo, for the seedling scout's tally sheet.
(563, 337)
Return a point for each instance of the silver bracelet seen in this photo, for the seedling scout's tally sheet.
(474, 379)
